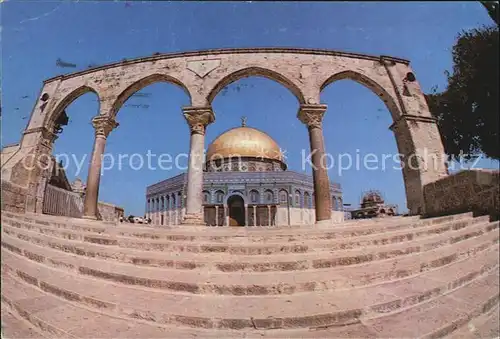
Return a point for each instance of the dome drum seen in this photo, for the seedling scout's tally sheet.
(244, 164)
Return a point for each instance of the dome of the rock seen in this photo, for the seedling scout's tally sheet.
(244, 142)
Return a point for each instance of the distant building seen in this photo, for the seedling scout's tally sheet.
(245, 183)
(373, 205)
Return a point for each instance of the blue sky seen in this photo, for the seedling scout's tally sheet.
(35, 34)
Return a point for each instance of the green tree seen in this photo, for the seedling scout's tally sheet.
(467, 111)
(492, 8)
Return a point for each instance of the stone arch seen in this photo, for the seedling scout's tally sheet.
(268, 193)
(206, 197)
(140, 84)
(219, 197)
(52, 116)
(282, 195)
(305, 72)
(254, 196)
(307, 200)
(297, 198)
(236, 193)
(256, 71)
(369, 83)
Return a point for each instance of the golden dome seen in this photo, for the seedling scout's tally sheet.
(244, 142)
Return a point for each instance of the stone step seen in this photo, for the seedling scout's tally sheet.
(240, 312)
(231, 263)
(255, 283)
(306, 245)
(486, 325)
(183, 228)
(236, 234)
(253, 248)
(14, 327)
(439, 317)
(64, 319)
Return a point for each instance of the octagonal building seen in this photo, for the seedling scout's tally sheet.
(245, 183)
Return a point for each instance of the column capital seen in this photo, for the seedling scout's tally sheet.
(312, 115)
(104, 125)
(198, 118)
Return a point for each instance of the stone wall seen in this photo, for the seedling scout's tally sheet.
(170, 217)
(303, 216)
(466, 191)
(13, 197)
(109, 212)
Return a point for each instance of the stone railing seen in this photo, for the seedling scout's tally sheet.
(62, 202)
(58, 201)
(466, 191)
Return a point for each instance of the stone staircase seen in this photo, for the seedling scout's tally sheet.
(394, 277)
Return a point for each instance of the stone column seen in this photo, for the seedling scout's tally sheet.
(103, 126)
(312, 116)
(155, 212)
(226, 215)
(246, 215)
(198, 118)
(216, 215)
(164, 210)
(254, 215)
(268, 215)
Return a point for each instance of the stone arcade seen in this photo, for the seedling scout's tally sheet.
(305, 72)
(245, 183)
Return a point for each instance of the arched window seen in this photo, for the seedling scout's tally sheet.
(283, 197)
(219, 197)
(167, 202)
(297, 199)
(340, 204)
(307, 200)
(254, 197)
(334, 203)
(179, 199)
(162, 203)
(206, 197)
(269, 196)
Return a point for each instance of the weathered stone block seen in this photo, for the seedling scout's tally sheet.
(467, 191)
